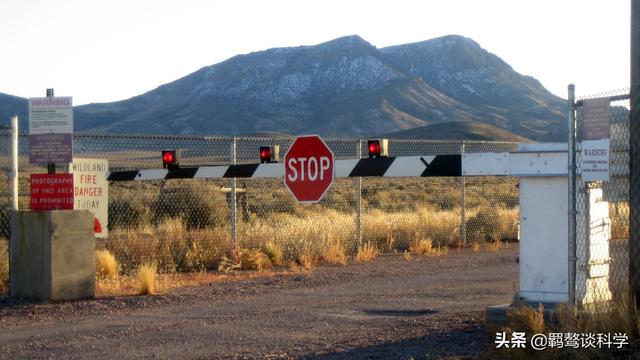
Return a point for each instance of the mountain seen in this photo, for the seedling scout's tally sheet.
(342, 88)
(461, 69)
(13, 105)
(457, 130)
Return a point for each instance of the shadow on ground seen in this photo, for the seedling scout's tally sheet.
(461, 343)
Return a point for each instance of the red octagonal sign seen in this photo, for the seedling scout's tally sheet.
(308, 169)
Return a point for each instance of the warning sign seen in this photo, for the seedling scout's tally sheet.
(595, 160)
(91, 190)
(50, 130)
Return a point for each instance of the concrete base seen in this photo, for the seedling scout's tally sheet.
(52, 255)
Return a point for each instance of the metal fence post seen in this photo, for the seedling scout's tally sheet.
(463, 218)
(571, 151)
(13, 175)
(634, 155)
(359, 201)
(232, 199)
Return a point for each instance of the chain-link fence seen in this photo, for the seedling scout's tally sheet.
(602, 207)
(197, 223)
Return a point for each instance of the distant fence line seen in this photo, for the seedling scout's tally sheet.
(388, 212)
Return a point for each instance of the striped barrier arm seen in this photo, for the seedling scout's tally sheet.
(402, 166)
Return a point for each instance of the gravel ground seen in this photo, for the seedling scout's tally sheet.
(389, 308)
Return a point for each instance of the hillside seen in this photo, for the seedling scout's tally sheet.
(342, 88)
(458, 130)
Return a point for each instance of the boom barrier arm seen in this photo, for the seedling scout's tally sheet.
(521, 163)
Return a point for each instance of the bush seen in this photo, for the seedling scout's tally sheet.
(492, 225)
(106, 264)
(146, 275)
(200, 206)
(126, 213)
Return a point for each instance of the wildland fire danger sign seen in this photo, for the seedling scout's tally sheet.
(308, 169)
(51, 192)
(90, 190)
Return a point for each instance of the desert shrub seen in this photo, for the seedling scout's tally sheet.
(619, 214)
(4, 266)
(200, 206)
(307, 258)
(367, 252)
(275, 252)
(170, 245)
(5, 223)
(127, 212)
(334, 252)
(146, 276)
(106, 264)
(246, 259)
(492, 225)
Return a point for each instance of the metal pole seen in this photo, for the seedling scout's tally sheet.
(463, 217)
(51, 167)
(359, 201)
(571, 151)
(13, 183)
(634, 158)
(234, 207)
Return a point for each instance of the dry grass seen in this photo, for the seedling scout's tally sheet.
(527, 319)
(475, 247)
(425, 247)
(421, 247)
(106, 264)
(494, 245)
(619, 214)
(170, 245)
(367, 252)
(307, 259)
(246, 259)
(178, 240)
(275, 253)
(4, 266)
(407, 255)
(334, 252)
(253, 259)
(396, 230)
(146, 276)
(618, 317)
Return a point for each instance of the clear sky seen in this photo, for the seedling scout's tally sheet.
(107, 50)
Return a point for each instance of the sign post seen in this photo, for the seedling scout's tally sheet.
(308, 169)
(91, 191)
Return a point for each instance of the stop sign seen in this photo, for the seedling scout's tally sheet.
(308, 169)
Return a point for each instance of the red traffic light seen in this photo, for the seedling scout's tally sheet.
(167, 157)
(265, 154)
(378, 148)
(270, 154)
(170, 158)
(374, 148)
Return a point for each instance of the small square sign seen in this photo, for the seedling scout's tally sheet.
(51, 192)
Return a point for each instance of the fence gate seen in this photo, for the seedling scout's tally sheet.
(600, 243)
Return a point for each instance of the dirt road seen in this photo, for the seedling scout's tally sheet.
(389, 308)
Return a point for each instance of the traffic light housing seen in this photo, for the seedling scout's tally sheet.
(378, 148)
(269, 154)
(171, 159)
